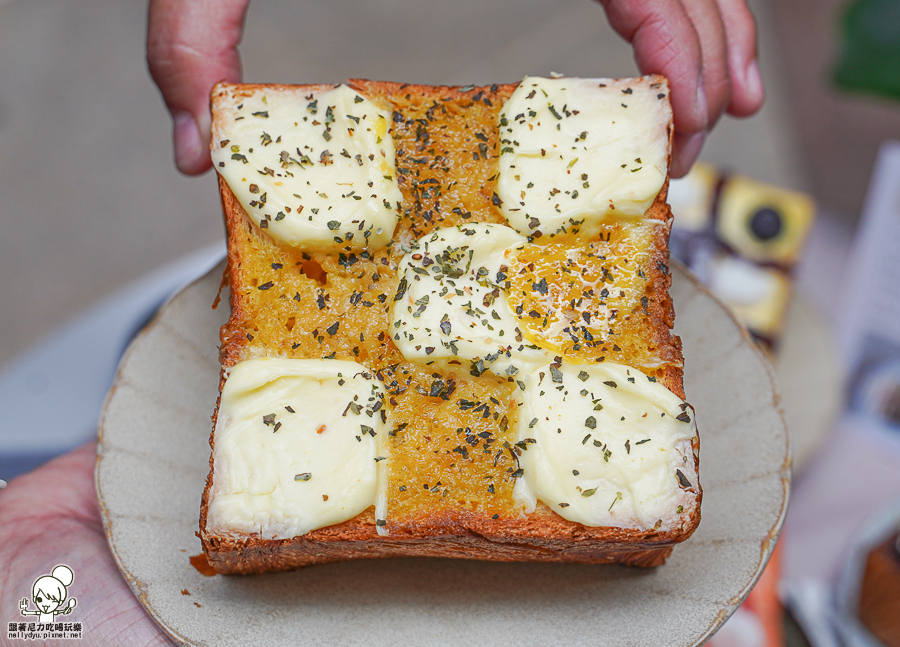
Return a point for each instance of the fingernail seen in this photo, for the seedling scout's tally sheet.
(753, 79)
(702, 106)
(188, 146)
(687, 153)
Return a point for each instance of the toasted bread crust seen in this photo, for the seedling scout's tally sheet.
(540, 536)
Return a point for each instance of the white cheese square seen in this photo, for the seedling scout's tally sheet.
(450, 308)
(315, 171)
(298, 446)
(604, 445)
(573, 151)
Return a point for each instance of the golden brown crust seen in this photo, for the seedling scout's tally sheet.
(356, 539)
(540, 536)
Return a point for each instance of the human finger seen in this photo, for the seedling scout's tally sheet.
(704, 14)
(747, 92)
(192, 45)
(665, 42)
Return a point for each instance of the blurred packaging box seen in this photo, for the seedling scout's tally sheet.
(742, 239)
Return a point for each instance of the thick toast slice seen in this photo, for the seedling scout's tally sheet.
(283, 299)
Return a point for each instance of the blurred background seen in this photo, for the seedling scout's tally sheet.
(97, 229)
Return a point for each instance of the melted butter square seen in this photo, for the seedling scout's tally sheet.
(574, 151)
(450, 308)
(298, 445)
(605, 445)
(315, 171)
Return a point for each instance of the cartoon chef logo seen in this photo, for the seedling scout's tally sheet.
(53, 604)
(49, 594)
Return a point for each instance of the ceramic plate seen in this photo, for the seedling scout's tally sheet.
(153, 459)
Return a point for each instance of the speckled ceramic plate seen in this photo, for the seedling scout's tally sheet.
(153, 460)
